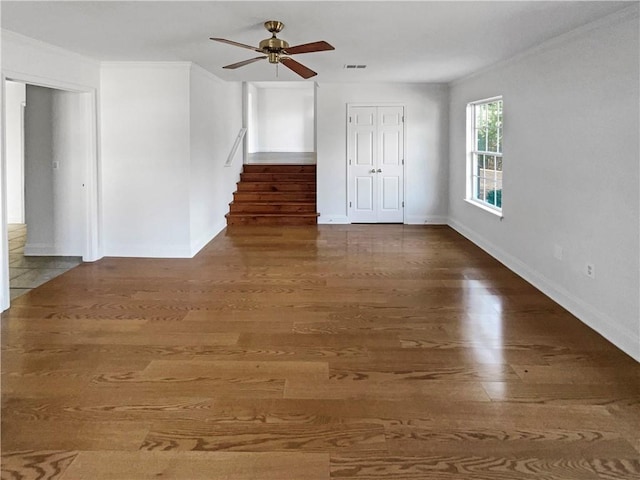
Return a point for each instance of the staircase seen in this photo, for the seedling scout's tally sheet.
(270, 194)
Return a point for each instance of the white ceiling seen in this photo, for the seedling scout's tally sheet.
(415, 41)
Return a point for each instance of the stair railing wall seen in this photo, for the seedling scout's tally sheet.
(234, 148)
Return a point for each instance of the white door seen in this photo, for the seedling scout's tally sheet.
(376, 164)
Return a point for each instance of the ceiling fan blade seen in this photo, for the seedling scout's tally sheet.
(237, 44)
(297, 67)
(309, 47)
(243, 63)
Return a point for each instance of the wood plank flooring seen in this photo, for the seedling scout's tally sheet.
(329, 352)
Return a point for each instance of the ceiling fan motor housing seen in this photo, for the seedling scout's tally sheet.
(273, 47)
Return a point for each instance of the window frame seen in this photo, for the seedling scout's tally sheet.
(473, 153)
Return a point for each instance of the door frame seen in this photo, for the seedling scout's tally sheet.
(92, 249)
(351, 105)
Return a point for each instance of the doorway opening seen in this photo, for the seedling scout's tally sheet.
(281, 123)
(50, 165)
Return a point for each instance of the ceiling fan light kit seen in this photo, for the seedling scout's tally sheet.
(277, 50)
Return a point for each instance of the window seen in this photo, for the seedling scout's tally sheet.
(485, 153)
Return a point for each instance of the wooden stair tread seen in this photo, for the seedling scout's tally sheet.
(267, 202)
(270, 195)
(281, 177)
(272, 168)
(274, 194)
(277, 181)
(293, 214)
(285, 186)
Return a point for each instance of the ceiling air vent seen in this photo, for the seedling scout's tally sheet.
(351, 66)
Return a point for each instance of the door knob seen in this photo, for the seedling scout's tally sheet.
(379, 170)
(373, 170)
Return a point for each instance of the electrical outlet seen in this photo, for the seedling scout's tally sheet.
(590, 270)
(557, 252)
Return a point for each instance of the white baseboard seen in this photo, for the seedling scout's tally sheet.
(426, 220)
(409, 220)
(333, 220)
(626, 340)
(148, 251)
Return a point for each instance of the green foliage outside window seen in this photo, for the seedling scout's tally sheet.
(489, 127)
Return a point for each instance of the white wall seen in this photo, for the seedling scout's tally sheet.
(15, 99)
(70, 150)
(215, 118)
(253, 125)
(285, 119)
(54, 172)
(145, 159)
(41, 63)
(571, 173)
(426, 148)
(167, 129)
(39, 185)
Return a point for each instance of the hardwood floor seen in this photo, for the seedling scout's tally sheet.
(350, 352)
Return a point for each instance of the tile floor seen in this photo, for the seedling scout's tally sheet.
(27, 273)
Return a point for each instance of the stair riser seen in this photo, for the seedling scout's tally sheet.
(274, 197)
(276, 187)
(281, 220)
(279, 168)
(277, 177)
(271, 208)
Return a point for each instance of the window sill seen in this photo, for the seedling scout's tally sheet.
(492, 211)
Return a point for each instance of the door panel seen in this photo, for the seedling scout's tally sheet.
(390, 116)
(391, 138)
(365, 146)
(376, 159)
(364, 194)
(365, 117)
(391, 152)
(390, 210)
(390, 193)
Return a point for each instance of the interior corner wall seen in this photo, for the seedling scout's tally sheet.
(253, 126)
(26, 57)
(145, 159)
(285, 119)
(426, 148)
(15, 99)
(216, 118)
(571, 174)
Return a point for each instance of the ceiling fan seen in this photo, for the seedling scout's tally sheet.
(278, 51)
